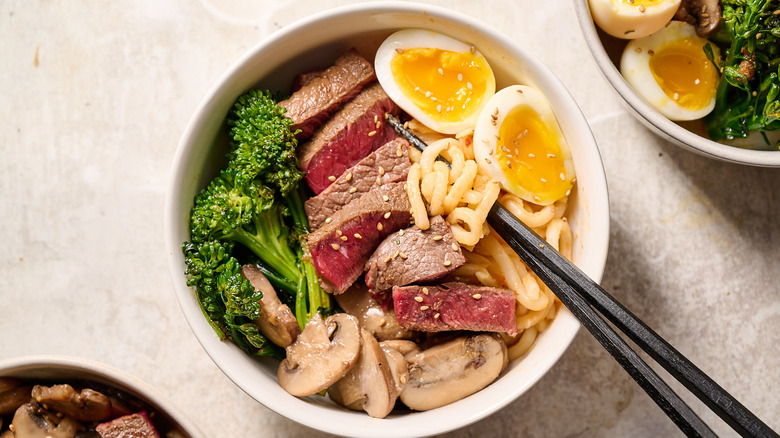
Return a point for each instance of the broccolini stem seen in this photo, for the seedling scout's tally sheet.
(300, 304)
(279, 258)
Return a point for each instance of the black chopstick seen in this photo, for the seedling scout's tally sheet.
(547, 260)
(578, 293)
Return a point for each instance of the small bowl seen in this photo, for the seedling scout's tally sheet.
(607, 51)
(315, 42)
(62, 369)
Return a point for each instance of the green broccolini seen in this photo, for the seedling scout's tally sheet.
(747, 96)
(256, 202)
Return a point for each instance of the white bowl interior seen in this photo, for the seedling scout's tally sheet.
(651, 118)
(62, 368)
(314, 43)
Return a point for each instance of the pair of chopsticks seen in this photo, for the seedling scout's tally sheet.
(586, 300)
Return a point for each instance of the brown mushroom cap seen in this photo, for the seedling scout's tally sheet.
(369, 385)
(705, 15)
(276, 320)
(448, 372)
(315, 361)
(84, 405)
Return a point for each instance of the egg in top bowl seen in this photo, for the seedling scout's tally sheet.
(313, 45)
(729, 39)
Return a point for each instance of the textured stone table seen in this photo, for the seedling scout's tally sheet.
(95, 96)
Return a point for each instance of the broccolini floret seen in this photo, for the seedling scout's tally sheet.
(256, 202)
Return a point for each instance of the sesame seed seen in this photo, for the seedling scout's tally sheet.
(488, 161)
(425, 290)
(438, 107)
(703, 15)
(543, 180)
(424, 307)
(509, 165)
(441, 72)
(385, 198)
(335, 246)
(519, 91)
(418, 299)
(447, 263)
(399, 50)
(352, 189)
(349, 176)
(357, 236)
(754, 93)
(495, 112)
(376, 118)
(331, 178)
(541, 245)
(399, 152)
(637, 49)
(705, 23)
(396, 254)
(438, 237)
(402, 255)
(455, 246)
(568, 192)
(379, 180)
(472, 50)
(382, 322)
(372, 133)
(531, 156)
(381, 170)
(676, 96)
(436, 316)
(401, 233)
(651, 52)
(460, 77)
(562, 176)
(759, 35)
(328, 220)
(550, 155)
(387, 215)
(402, 378)
(379, 226)
(641, 8)
(537, 199)
(378, 125)
(697, 81)
(344, 238)
(388, 258)
(476, 296)
(428, 94)
(339, 233)
(469, 86)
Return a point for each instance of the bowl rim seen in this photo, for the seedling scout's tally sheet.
(652, 118)
(14, 367)
(408, 425)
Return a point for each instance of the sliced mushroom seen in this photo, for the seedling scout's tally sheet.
(705, 15)
(406, 348)
(32, 421)
(11, 399)
(85, 405)
(369, 384)
(321, 355)
(448, 372)
(399, 367)
(276, 320)
(383, 325)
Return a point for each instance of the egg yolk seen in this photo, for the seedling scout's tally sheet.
(448, 86)
(530, 155)
(684, 73)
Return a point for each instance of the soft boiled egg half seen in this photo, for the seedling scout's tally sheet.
(671, 72)
(517, 141)
(631, 19)
(440, 81)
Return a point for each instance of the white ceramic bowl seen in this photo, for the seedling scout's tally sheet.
(690, 135)
(315, 42)
(62, 368)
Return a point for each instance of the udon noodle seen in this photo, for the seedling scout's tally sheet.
(464, 196)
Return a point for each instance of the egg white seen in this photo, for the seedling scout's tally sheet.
(635, 68)
(630, 21)
(418, 38)
(487, 131)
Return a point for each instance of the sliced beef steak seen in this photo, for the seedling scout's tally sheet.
(414, 256)
(355, 131)
(135, 425)
(340, 248)
(455, 306)
(390, 163)
(324, 93)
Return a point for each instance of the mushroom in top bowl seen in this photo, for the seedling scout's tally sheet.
(702, 74)
(437, 283)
